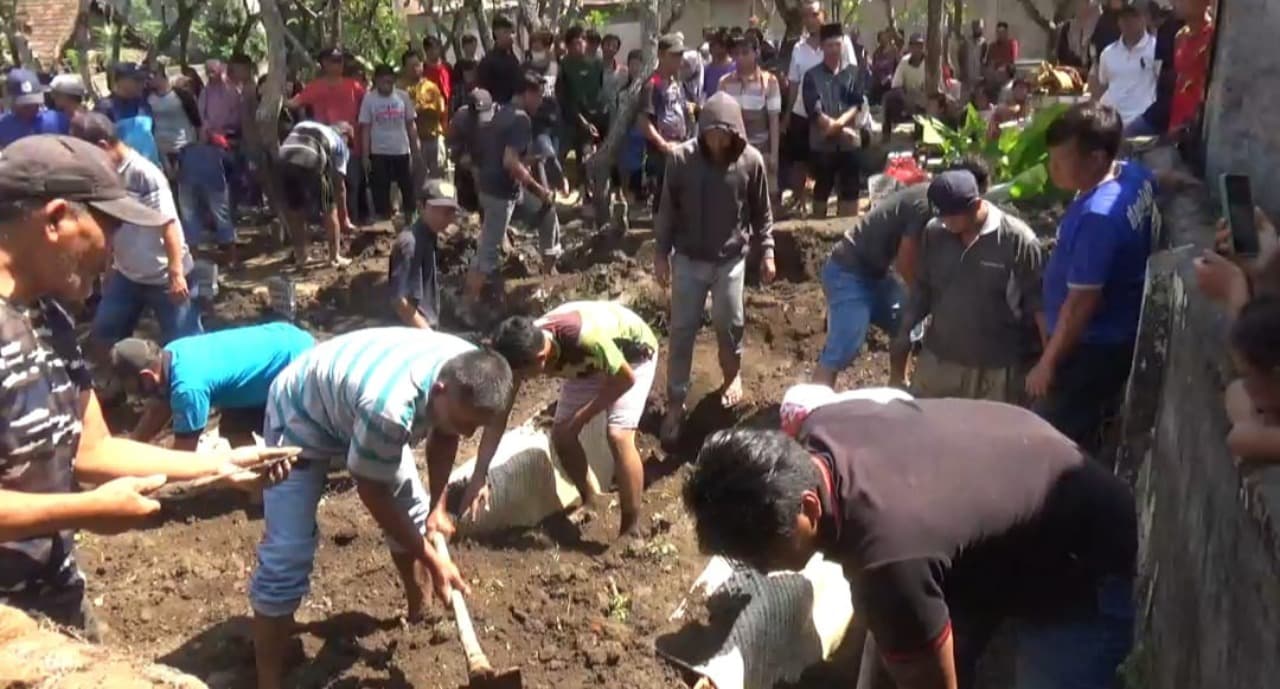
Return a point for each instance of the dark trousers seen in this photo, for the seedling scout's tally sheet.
(898, 108)
(357, 190)
(1088, 387)
(835, 171)
(385, 171)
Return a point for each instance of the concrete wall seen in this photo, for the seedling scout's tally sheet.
(1244, 97)
(1210, 535)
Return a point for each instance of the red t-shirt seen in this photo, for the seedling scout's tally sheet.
(332, 102)
(439, 75)
(1191, 63)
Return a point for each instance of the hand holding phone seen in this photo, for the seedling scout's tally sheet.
(1237, 208)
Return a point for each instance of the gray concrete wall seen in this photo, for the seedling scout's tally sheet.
(1244, 97)
(1209, 590)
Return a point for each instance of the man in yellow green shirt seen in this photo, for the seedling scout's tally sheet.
(432, 111)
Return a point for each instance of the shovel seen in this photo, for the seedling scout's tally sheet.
(480, 674)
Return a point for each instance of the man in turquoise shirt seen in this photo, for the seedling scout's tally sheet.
(229, 369)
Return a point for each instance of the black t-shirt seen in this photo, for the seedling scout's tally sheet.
(413, 273)
(499, 74)
(509, 128)
(951, 507)
(871, 245)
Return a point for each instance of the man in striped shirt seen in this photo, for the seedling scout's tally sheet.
(361, 401)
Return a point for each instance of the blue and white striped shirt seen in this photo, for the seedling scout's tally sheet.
(363, 394)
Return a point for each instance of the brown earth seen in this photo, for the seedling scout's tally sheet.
(571, 608)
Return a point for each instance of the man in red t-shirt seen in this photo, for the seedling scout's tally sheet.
(332, 99)
(1191, 52)
(434, 68)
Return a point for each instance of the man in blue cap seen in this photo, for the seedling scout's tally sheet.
(27, 114)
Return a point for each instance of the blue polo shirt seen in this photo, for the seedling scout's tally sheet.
(228, 369)
(1104, 240)
(13, 127)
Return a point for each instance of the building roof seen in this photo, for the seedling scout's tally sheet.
(52, 23)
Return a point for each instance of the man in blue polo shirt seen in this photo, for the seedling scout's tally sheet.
(127, 107)
(1094, 280)
(191, 375)
(361, 401)
(27, 114)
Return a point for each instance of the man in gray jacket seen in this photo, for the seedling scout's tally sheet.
(714, 205)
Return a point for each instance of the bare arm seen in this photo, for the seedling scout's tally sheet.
(339, 184)
(774, 137)
(171, 236)
(409, 314)
(154, 417)
(615, 386)
(907, 259)
(651, 133)
(101, 457)
(365, 139)
(934, 670)
(516, 167)
(490, 438)
(28, 515)
(1073, 319)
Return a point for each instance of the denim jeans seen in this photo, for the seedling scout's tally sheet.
(1138, 127)
(123, 302)
(497, 212)
(200, 199)
(854, 303)
(691, 280)
(287, 552)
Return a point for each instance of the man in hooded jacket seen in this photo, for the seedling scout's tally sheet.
(714, 206)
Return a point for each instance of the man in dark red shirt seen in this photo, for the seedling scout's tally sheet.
(334, 98)
(434, 68)
(949, 517)
(1002, 54)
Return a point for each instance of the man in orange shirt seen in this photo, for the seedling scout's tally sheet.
(333, 98)
(1191, 50)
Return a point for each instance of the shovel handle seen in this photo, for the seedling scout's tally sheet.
(477, 662)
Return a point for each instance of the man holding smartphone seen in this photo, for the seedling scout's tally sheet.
(1094, 279)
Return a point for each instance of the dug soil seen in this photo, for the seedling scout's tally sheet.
(565, 603)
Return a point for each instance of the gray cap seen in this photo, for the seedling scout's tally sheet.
(68, 85)
(49, 166)
(439, 192)
(131, 355)
(671, 43)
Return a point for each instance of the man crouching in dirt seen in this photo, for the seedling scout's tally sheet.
(949, 517)
(363, 400)
(607, 356)
(714, 195)
(61, 200)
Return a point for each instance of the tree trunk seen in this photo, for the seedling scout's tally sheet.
(675, 10)
(606, 156)
(261, 135)
(179, 28)
(482, 24)
(1050, 27)
(891, 17)
(81, 38)
(789, 10)
(335, 19)
(933, 48)
(118, 23)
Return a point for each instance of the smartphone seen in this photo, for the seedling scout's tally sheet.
(1237, 208)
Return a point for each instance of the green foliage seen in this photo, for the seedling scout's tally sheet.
(216, 31)
(374, 31)
(597, 18)
(1019, 155)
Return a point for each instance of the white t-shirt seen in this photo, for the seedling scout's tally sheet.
(139, 251)
(386, 117)
(805, 57)
(909, 77)
(1130, 76)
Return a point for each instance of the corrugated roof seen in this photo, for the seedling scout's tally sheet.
(52, 23)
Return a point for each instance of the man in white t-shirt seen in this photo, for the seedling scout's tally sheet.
(806, 55)
(1127, 73)
(389, 140)
(149, 264)
(906, 97)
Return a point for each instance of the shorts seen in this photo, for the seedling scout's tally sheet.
(795, 145)
(242, 421)
(934, 377)
(305, 190)
(625, 412)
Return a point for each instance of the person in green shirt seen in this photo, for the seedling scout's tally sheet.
(580, 92)
(607, 356)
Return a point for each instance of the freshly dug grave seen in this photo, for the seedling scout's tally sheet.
(565, 603)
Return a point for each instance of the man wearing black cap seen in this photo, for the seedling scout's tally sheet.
(61, 199)
(27, 115)
(499, 72)
(832, 93)
(978, 276)
(127, 107)
(664, 117)
(415, 285)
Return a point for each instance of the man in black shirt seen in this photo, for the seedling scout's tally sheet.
(415, 285)
(499, 72)
(949, 517)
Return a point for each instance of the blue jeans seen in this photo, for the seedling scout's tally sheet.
(1075, 651)
(290, 535)
(123, 302)
(200, 198)
(1140, 127)
(854, 303)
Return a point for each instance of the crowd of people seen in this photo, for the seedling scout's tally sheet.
(986, 501)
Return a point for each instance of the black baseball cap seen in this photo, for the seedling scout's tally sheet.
(830, 31)
(48, 166)
(129, 70)
(439, 192)
(954, 192)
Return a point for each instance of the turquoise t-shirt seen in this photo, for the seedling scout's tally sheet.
(228, 369)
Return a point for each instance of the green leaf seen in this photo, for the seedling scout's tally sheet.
(1030, 183)
(932, 131)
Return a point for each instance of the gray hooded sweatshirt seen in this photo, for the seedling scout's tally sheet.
(710, 211)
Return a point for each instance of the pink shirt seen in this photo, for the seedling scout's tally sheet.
(220, 107)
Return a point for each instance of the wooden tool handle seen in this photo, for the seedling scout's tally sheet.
(477, 662)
